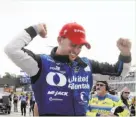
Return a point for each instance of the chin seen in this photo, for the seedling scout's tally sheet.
(72, 58)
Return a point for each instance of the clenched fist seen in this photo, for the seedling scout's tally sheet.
(124, 45)
(42, 30)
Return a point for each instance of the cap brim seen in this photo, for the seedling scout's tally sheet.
(82, 42)
(88, 45)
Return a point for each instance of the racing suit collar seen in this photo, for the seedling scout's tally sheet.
(65, 58)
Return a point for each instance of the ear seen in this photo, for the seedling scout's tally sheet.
(59, 39)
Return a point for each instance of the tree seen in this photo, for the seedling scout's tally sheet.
(18, 76)
(9, 75)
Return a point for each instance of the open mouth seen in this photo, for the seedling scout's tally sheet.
(72, 55)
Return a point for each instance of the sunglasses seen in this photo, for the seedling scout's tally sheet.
(127, 92)
(100, 85)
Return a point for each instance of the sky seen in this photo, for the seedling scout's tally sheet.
(105, 21)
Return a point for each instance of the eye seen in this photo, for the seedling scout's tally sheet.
(73, 45)
(81, 46)
(76, 46)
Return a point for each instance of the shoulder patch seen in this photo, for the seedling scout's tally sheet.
(84, 59)
(88, 67)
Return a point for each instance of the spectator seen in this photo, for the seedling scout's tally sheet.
(23, 104)
(15, 102)
(112, 91)
(32, 103)
(133, 107)
(125, 96)
(104, 104)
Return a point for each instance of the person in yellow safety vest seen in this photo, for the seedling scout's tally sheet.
(104, 104)
(125, 93)
(133, 107)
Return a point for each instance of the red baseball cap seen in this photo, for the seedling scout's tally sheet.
(75, 33)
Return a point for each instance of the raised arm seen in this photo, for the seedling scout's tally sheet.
(102, 71)
(25, 59)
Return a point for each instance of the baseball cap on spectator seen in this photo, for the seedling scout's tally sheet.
(75, 33)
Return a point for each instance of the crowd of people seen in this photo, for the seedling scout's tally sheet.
(25, 100)
(103, 102)
(62, 81)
